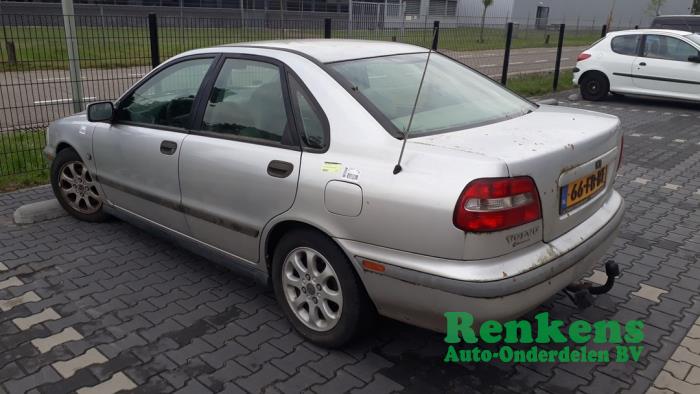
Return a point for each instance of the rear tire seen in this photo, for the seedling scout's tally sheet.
(594, 86)
(75, 187)
(319, 290)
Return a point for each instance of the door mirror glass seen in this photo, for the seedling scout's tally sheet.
(100, 112)
(694, 59)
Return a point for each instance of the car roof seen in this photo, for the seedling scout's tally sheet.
(651, 31)
(335, 50)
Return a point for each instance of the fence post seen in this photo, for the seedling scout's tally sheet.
(604, 31)
(506, 55)
(76, 81)
(557, 65)
(153, 35)
(327, 28)
(436, 35)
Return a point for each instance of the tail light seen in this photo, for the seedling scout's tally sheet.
(494, 204)
(583, 57)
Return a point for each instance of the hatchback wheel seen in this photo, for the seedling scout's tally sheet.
(75, 187)
(318, 290)
(595, 86)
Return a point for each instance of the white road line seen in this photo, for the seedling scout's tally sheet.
(516, 63)
(25, 323)
(46, 344)
(58, 101)
(31, 296)
(3, 267)
(489, 65)
(656, 137)
(70, 367)
(680, 141)
(10, 282)
(635, 135)
(642, 181)
(118, 382)
(672, 186)
(565, 58)
(51, 79)
(540, 61)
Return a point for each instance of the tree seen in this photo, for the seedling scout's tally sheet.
(654, 7)
(487, 4)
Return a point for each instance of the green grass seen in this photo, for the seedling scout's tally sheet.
(21, 161)
(44, 47)
(539, 84)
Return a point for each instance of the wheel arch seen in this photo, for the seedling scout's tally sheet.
(594, 72)
(278, 230)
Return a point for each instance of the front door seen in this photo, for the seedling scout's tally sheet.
(240, 168)
(137, 154)
(664, 67)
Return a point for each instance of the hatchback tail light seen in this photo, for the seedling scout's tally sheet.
(583, 57)
(494, 204)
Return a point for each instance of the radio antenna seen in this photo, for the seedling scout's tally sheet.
(398, 168)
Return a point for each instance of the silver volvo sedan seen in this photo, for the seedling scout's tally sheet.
(279, 159)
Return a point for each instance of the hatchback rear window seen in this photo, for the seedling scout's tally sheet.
(453, 96)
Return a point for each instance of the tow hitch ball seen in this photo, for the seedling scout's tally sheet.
(582, 293)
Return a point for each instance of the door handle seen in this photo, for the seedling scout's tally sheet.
(642, 64)
(168, 147)
(279, 169)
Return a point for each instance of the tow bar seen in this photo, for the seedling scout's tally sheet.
(582, 293)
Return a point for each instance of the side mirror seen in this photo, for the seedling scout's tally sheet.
(694, 59)
(100, 112)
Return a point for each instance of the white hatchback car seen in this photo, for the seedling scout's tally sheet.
(661, 63)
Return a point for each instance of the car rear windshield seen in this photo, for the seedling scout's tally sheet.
(453, 96)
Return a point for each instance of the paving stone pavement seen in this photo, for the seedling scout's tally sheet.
(107, 307)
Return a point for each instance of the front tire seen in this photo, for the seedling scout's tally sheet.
(75, 187)
(595, 86)
(318, 289)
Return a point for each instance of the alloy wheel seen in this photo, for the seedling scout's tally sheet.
(78, 188)
(312, 289)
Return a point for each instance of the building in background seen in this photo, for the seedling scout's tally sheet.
(540, 13)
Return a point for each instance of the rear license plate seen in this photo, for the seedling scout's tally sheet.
(582, 189)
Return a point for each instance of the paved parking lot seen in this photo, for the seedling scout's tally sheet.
(105, 307)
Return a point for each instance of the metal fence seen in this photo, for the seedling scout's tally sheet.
(38, 84)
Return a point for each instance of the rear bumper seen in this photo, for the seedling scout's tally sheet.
(419, 289)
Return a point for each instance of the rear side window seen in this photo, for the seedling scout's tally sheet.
(626, 45)
(247, 101)
(311, 120)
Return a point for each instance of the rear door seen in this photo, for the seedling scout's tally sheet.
(240, 166)
(137, 154)
(664, 68)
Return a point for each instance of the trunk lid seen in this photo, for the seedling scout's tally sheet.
(555, 146)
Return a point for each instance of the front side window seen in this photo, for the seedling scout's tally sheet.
(247, 101)
(626, 45)
(166, 99)
(668, 48)
(453, 96)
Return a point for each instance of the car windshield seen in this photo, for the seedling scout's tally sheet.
(695, 38)
(453, 96)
